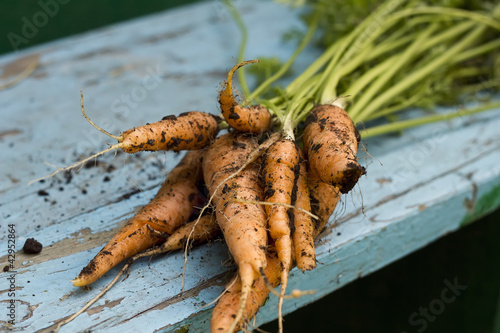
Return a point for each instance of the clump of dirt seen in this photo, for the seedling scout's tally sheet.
(32, 246)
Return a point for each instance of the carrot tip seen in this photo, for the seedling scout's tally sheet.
(77, 282)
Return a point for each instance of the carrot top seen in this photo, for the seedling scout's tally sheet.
(401, 55)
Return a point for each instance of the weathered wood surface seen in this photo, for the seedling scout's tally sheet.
(419, 186)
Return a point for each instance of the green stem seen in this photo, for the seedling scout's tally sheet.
(302, 98)
(447, 11)
(333, 54)
(312, 69)
(364, 34)
(244, 39)
(334, 76)
(274, 108)
(414, 77)
(288, 128)
(286, 66)
(370, 76)
(361, 43)
(397, 107)
(457, 74)
(369, 53)
(393, 60)
(300, 117)
(410, 53)
(397, 126)
(490, 46)
(474, 88)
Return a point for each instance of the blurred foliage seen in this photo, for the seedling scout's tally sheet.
(338, 18)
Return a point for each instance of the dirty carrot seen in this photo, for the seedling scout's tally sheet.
(188, 131)
(331, 143)
(206, 229)
(279, 169)
(253, 119)
(169, 209)
(228, 305)
(324, 199)
(243, 224)
(198, 232)
(302, 236)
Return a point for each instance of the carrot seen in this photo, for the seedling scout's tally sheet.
(279, 171)
(253, 119)
(243, 224)
(169, 209)
(188, 131)
(331, 142)
(198, 232)
(303, 240)
(227, 307)
(324, 198)
(203, 231)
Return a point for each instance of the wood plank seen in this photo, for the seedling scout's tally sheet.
(419, 186)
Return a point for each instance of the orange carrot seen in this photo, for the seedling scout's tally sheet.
(187, 131)
(279, 171)
(253, 119)
(227, 307)
(199, 231)
(243, 224)
(324, 199)
(331, 142)
(170, 208)
(303, 241)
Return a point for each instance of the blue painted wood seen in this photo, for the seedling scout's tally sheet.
(419, 186)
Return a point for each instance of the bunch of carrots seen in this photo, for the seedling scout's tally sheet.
(257, 190)
(270, 183)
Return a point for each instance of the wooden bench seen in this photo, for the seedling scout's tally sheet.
(419, 187)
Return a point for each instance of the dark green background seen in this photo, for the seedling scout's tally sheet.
(73, 17)
(381, 302)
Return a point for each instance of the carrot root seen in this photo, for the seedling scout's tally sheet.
(243, 224)
(188, 131)
(303, 240)
(170, 208)
(331, 142)
(224, 313)
(279, 173)
(324, 199)
(253, 119)
(201, 232)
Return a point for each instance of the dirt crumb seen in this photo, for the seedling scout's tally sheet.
(32, 246)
